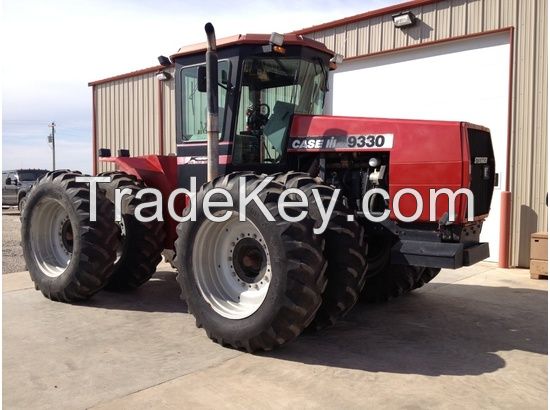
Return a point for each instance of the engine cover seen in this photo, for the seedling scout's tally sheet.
(422, 155)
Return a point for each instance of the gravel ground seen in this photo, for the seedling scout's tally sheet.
(12, 255)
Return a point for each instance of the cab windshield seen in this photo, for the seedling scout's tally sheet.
(272, 89)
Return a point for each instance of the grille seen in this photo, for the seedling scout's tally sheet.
(482, 162)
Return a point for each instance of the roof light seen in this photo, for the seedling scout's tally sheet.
(279, 49)
(337, 59)
(277, 39)
(164, 61)
(404, 19)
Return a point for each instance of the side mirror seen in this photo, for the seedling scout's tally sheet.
(8, 181)
(224, 77)
(201, 78)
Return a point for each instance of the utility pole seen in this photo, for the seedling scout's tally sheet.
(51, 140)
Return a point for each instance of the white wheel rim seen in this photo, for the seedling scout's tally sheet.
(51, 237)
(226, 261)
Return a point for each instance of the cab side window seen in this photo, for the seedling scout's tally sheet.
(194, 102)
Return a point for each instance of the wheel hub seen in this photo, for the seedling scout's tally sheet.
(249, 260)
(232, 266)
(66, 233)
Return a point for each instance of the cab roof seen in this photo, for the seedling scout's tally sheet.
(239, 39)
(289, 39)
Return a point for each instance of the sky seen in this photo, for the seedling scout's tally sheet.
(52, 49)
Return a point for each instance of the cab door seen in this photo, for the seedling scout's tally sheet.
(191, 125)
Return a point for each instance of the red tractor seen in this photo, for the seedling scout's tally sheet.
(249, 119)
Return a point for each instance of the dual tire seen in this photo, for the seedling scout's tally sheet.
(141, 242)
(69, 256)
(300, 279)
(345, 250)
(252, 284)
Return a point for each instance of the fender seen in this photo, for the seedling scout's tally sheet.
(156, 171)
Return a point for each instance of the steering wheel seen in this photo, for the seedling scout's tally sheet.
(258, 116)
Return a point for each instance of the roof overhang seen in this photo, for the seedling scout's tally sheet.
(363, 16)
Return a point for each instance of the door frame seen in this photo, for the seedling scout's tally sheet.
(506, 197)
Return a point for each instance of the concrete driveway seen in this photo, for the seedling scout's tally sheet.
(475, 338)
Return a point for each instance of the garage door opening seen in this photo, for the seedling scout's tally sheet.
(463, 80)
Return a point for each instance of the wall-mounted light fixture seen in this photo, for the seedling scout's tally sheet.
(404, 19)
(164, 76)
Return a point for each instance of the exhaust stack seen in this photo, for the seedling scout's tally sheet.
(212, 102)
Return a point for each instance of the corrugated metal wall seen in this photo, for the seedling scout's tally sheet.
(437, 21)
(447, 19)
(127, 111)
(127, 116)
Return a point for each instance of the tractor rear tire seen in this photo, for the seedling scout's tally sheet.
(22, 203)
(345, 250)
(391, 282)
(169, 256)
(69, 257)
(140, 243)
(252, 284)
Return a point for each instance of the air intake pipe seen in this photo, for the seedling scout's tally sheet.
(212, 126)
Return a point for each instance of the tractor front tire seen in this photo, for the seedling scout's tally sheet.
(69, 257)
(391, 282)
(378, 256)
(345, 250)
(253, 284)
(140, 243)
(426, 276)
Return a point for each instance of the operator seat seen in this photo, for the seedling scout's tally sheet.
(278, 124)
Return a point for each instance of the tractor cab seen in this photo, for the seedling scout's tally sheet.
(262, 82)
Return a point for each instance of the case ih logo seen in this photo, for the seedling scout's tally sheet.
(342, 143)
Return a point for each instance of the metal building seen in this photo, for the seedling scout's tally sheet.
(481, 61)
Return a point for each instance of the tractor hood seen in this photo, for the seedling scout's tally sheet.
(422, 154)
